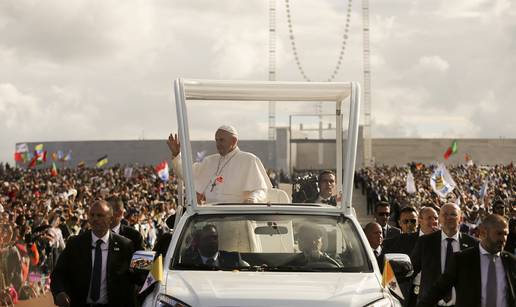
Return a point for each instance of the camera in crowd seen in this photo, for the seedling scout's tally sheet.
(304, 188)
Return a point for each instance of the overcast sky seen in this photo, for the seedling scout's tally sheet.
(103, 69)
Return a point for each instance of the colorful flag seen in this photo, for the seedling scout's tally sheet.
(162, 170)
(451, 150)
(54, 156)
(469, 160)
(411, 184)
(155, 274)
(68, 156)
(441, 181)
(39, 148)
(53, 171)
(60, 155)
(21, 150)
(102, 161)
(128, 172)
(389, 280)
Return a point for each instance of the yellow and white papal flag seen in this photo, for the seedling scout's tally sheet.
(389, 280)
(155, 274)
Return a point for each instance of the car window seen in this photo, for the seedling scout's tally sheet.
(270, 243)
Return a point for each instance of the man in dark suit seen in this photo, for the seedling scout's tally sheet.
(373, 232)
(406, 242)
(207, 251)
(124, 230)
(382, 212)
(433, 252)
(326, 186)
(93, 269)
(483, 275)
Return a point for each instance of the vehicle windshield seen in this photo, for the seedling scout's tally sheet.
(264, 242)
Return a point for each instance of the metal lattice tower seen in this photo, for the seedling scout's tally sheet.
(272, 66)
(368, 152)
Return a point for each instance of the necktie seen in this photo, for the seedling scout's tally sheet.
(449, 255)
(491, 289)
(97, 270)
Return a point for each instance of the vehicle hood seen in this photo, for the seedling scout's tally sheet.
(224, 288)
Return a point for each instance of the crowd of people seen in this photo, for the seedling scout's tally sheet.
(39, 212)
(457, 244)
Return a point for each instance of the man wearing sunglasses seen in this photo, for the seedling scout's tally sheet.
(382, 213)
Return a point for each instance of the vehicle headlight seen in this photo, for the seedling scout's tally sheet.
(168, 301)
(384, 302)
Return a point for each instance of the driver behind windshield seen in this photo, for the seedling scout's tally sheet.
(310, 242)
(207, 251)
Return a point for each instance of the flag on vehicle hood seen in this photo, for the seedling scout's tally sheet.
(102, 161)
(411, 184)
(451, 150)
(389, 280)
(155, 274)
(441, 181)
(162, 170)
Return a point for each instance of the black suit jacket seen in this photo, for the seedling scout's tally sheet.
(404, 243)
(426, 257)
(133, 235)
(391, 232)
(464, 275)
(72, 272)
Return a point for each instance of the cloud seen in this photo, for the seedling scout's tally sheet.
(433, 63)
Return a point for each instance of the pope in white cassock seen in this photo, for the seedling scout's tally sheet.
(231, 175)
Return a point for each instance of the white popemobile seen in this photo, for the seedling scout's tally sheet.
(276, 253)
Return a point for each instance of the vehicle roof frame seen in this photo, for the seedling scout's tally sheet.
(265, 91)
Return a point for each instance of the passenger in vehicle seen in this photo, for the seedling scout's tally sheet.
(310, 242)
(206, 251)
(231, 175)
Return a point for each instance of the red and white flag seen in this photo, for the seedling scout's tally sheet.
(162, 170)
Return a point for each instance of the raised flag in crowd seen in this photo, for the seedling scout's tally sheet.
(451, 150)
(21, 152)
(162, 170)
(60, 155)
(128, 172)
(68, 156)
(411, 184)
(441, 181)
(102, 161)
(53, 171)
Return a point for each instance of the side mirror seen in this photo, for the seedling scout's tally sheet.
(142, 261)
(401, 265)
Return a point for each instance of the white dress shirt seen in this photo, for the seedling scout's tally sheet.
(116, 229)
(456, 248)
(501, 283)
(104, 246)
